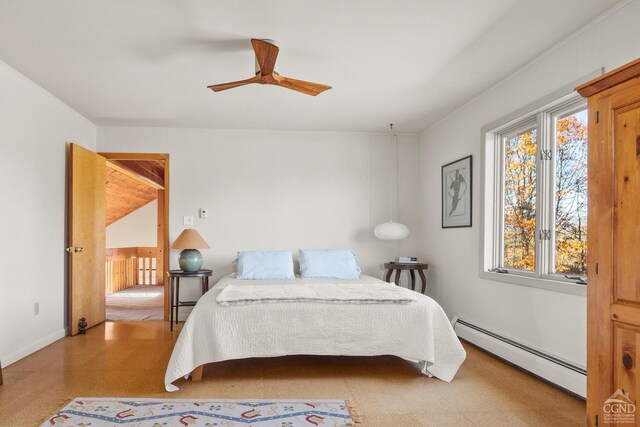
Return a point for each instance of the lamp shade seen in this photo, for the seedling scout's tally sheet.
(189, 239)
(391, 231)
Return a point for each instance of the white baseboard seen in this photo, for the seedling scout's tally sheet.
(564, 377)
(10, 358)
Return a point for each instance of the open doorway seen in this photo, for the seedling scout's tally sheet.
(136, 236)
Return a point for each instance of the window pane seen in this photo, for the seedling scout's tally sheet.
(520, 201)
(571, 194)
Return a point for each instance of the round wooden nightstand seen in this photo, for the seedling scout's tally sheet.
(411, 268)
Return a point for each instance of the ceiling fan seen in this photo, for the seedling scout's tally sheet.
(266, 54)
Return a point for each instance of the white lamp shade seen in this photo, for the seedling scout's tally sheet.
(391, 231)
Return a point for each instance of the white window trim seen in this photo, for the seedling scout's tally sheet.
(490, 188)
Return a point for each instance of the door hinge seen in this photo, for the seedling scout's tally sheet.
(545, 234)
(596, 268)
(546, 155)
(596, 420)
(597, 116)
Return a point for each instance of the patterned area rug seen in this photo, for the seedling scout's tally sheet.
(98, 412)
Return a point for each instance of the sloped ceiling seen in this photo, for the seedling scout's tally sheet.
(126, 192)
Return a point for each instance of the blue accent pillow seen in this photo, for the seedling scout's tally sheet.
(256, 265)
(329, 264)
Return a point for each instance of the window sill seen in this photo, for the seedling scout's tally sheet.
(535, 282)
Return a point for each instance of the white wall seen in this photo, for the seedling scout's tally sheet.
(281, 190)
(35, 129)
(138, 229)
(552, 321)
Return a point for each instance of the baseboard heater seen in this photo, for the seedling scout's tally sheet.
(565, 374)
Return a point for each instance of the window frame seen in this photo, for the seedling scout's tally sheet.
(519, 128)
(564, 110)
(544, 113)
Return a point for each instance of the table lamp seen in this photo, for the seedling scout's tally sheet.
(190, 241)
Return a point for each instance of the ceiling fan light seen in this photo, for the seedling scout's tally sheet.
(391, 231)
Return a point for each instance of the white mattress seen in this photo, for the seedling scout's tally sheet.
(419, 331)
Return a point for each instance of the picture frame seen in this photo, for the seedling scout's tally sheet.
(457, 185)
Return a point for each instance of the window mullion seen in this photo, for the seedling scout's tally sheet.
(499, 204)
(539, 238)
(543, 222)
(551, 194)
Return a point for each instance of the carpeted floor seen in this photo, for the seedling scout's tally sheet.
(142, 302)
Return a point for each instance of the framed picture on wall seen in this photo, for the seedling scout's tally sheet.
(456, 193)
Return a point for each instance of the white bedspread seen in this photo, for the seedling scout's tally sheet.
(335, 293)
(418, 331)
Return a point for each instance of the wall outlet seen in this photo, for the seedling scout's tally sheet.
(187, 220)
(204, 212)
(36, 308)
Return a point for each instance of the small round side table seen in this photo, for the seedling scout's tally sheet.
(411, 268)
(174, 294)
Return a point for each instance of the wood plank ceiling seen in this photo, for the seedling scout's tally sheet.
(131, 184)
(152, 170)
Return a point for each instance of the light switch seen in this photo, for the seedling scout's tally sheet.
(204, 212)
(187, 220)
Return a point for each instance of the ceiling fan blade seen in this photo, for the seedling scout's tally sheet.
(266, 55)
(309, 88)
(230, 85)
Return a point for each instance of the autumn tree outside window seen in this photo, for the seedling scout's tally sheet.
(535, 195)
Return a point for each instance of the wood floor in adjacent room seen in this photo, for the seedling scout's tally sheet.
(128, 359)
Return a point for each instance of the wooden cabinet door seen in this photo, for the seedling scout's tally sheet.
(626, 343)
(614, 254)
(626, 198)
(87, 238)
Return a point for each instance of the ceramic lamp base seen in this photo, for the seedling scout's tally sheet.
(190, 260)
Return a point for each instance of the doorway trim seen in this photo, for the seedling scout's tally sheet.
(163, 233)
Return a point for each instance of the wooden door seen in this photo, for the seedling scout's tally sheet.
(613, 292)
(87, 238)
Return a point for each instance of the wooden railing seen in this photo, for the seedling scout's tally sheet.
(128, 267)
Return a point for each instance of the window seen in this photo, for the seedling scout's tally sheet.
(519, 200)
(571, 193)
(535, 178)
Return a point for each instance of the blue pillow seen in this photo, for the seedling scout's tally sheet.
(329, 264)
(256, 265)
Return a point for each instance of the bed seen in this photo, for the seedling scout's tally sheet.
(240, 319)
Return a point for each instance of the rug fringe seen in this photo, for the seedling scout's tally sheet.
(61, 404)
(355, 415)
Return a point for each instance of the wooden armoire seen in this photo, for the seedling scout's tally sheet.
(613, 290)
